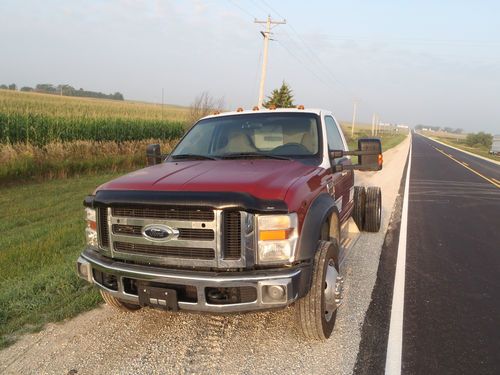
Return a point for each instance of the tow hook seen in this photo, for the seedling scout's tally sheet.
(339, 286)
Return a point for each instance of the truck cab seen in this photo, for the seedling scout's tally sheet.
(243, 215)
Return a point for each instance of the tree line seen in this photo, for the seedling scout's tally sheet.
(65, 90)
(439, 128)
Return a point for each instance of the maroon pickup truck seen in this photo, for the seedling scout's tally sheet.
(244, 214)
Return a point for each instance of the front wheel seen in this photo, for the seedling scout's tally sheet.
(317, 311)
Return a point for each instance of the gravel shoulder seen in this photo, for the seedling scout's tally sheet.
(150, 341)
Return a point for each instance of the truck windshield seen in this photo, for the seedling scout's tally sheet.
(253, 135)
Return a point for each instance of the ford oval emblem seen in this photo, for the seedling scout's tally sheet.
(159, 232)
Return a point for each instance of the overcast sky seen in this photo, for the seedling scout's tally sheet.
(434, 62)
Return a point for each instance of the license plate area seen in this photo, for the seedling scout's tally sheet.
(162, 298)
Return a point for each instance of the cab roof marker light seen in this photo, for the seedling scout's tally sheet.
(255, 108)
(239, 109)
(300, 106)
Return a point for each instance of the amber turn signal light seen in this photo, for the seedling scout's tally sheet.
(274, 235)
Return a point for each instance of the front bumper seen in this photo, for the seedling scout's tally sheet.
(293, 281)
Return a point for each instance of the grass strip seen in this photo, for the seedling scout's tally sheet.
(42, 235)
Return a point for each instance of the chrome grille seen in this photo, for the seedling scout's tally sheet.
(202, 237)
(174, 213)
(232, 235)
(172, 251)
(102, 222)
(184, 233)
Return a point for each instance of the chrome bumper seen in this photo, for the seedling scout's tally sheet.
(294, 281)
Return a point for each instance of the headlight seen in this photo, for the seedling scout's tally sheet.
(277, 238)
(91, 229)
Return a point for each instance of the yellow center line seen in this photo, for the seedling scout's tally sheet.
(494, 179)
(465, 165)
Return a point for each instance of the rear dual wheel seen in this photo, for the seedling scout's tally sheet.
(358, 213)
(373, 209)
(367, 212)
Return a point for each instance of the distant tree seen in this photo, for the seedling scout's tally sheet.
(65, 89)
(458, 131)
(280, 98)
(479, 139)
(26, 88)
(45, 87)
(13, 87)
(448, 129)
(68, 90)
(4, 87)
(118, 96)
(204, 105)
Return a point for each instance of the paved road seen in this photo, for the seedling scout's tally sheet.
(451, 319)
(452, 291)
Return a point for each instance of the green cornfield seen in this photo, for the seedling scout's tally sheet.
(40, 119)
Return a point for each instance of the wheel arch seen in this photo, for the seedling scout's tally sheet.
(322, 210)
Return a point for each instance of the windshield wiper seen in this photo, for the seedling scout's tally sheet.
(193, 157)
(238, 155)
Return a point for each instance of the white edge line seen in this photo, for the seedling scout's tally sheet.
(458, 149)
(395, 341)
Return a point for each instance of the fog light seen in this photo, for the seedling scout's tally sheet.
(276, 291)
(274, 294)
(84, 271)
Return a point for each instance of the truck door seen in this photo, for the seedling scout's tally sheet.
(342, 181)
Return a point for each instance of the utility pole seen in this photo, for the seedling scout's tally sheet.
(162, 103)
(266, 34)
(353, 117)
(373, 124)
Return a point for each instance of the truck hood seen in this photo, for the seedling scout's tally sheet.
(262, 178)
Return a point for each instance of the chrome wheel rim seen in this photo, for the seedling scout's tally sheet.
(329, 291)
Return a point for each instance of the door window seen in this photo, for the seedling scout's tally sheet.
(334, 138)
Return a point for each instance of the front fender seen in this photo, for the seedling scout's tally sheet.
(319, 212)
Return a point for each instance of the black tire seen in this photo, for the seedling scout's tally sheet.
(117, 304)
(373, 209)
(358, 213)
(315, 313)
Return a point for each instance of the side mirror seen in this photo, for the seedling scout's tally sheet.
(370, 158)
(153, 154)
(369, 155)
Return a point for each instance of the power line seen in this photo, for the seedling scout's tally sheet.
(272, 9)
(304, 65)
(241, 8)
(415, 40)
(311, 55)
